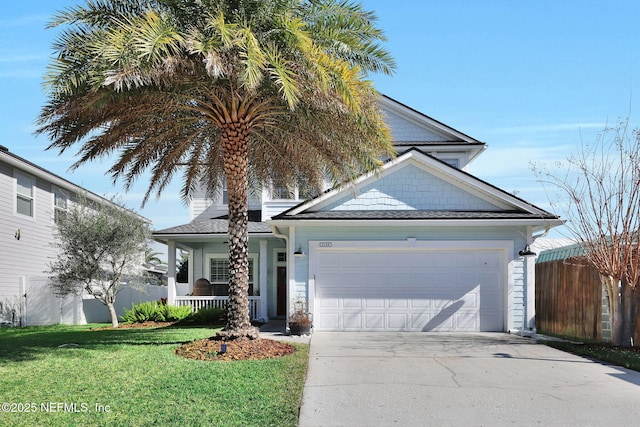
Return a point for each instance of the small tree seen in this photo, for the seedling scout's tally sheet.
(100, 247)
(600, 197)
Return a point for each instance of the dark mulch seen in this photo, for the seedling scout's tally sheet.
(239, 349)
(136, 325)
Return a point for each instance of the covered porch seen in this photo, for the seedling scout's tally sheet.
(205, 245)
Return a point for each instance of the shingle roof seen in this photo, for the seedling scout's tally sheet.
(218, 225)
(413, 214)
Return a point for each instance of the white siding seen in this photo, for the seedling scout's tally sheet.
(29, 255)
(404, 130)
(411, 188)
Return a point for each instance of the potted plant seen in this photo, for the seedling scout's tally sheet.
(300, 320)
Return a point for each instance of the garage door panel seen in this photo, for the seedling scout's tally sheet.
(420, 291)
(374, 303)
(374, 321)
(466, 323)
(351, 303)
(398, 303)
(327, 321)
(352, 321)
(397, 321)
(328, 303)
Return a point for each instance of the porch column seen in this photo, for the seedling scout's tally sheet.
(291, 270)
(263, 281)
(171, 272)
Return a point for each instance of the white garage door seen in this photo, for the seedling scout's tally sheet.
(408, 290)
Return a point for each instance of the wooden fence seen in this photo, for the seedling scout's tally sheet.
(569, 298)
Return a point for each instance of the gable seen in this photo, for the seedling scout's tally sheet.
(405, 130)
(418, 188)
(411, 188)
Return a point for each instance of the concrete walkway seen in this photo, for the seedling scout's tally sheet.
(436, 379)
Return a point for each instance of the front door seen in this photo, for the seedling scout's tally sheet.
(281, 284)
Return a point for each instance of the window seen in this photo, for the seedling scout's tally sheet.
(219, 273)
(225, 194)
(282, 192)
(24, 194)
(60, 200)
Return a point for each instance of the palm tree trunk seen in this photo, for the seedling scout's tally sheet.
(235, 145)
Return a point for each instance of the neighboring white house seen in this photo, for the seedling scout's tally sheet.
(420, 246)
(30, 200)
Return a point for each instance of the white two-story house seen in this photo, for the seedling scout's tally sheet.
(421, 245)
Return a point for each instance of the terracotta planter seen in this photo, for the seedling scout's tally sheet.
(202, 287)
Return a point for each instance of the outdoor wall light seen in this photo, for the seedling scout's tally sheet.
(299, 252)
(527, 252)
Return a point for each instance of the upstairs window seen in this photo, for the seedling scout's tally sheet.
(25, 194)
(282, 192)
(60, 200)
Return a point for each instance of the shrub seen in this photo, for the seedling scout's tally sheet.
(154, 311)
(177, 313)
(208, 316)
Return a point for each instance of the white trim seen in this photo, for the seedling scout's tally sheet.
(536, 223)
(506, 247)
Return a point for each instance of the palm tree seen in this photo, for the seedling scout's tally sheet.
(242, 92)
(151, 257)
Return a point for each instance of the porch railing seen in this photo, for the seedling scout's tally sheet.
(199, 302)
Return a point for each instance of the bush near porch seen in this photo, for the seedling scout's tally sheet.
(132, 377)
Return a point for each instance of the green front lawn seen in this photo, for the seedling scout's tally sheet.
(70, 375)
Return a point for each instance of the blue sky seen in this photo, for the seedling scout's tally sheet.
(532, 79)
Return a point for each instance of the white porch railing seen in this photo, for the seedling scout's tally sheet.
(198, 302)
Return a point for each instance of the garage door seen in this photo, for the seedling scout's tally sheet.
(408, 290)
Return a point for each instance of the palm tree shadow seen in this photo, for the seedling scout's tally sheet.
(444, 315)
(42, 342)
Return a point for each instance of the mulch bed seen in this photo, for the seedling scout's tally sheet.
(240, 349)
(210, 348)
(136, 325)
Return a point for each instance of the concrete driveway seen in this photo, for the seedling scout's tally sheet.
(437, 379)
